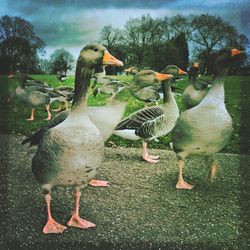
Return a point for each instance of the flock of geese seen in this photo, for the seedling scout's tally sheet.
(71, 145)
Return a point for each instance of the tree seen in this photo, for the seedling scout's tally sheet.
(211, 33)
(110, 37)
(19, 45)
(181, 44)
(179, 25)
(140, 35)
(61, 60)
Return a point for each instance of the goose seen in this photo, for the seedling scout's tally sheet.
(174, 70)
(131, 70)
(194, 71)
(195, 92)
(144, 86)
(70, 153)
(178, 74)
(206, 128)
(112, 87)
(34, 93)
(151, 122)
(66, 96)
(61, 77)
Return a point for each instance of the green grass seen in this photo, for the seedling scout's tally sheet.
(14, 114)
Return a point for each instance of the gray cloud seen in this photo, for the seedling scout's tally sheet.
(73, 23)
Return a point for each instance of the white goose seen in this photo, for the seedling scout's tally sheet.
(206, 128)
(70, 153)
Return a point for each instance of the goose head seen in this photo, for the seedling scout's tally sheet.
(224, 60)
(20, 77)
(132, 70)
(174, 70)
(91, 58)
(146, 78)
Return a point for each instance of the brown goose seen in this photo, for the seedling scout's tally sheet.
(152, 122)
(206, 128)
(70, 153)
(34, 93)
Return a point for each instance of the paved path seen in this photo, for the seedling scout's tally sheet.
(140, 210)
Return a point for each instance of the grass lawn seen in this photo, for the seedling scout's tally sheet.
(141, 209)
(14, 113)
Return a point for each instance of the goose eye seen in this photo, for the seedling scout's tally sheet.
(95, 49)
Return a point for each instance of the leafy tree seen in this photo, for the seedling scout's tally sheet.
(140, 35)
(61, 61)
(179, 25)
(19, 45)
(181, 44)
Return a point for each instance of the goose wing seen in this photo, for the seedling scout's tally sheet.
(36, 137)
(144, 122)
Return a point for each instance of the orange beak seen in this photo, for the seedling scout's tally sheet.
(10, 76)
(235, 52)
(182, 72)
(162, 77)
(108, 59)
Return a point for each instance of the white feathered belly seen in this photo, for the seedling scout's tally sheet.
(81, 156)
(210, 135)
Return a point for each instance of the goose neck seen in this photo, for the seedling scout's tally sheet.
(82, 82)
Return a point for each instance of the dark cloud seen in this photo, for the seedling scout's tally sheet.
(30, 6)
(70, 23)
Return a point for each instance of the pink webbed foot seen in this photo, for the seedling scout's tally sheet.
(154, 157)
(76, 221)
(184, 185)
(48, 118)
(149, 159)
(31, 119)
(98, 183)
(52, 227)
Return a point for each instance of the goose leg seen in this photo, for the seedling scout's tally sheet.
(214, 166)
(146, 157)
(67, 105)
(32, 116)
(51, 226)
(181, 184)
(48, 111)
(75, 220)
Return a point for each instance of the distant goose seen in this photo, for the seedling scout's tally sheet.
(151, 122)
(66, 96)
(174, 70)
(132, 70)
(111, 87)
(206, 128)
(61, 77)
(34, 93)
(70, 153)
(144, 86)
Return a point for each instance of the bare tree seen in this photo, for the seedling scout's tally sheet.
(210, 33)
(110, 36)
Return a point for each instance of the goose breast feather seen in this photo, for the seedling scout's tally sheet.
(68, 160)
(208, 135)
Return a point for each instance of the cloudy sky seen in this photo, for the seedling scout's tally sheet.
(71, 24)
